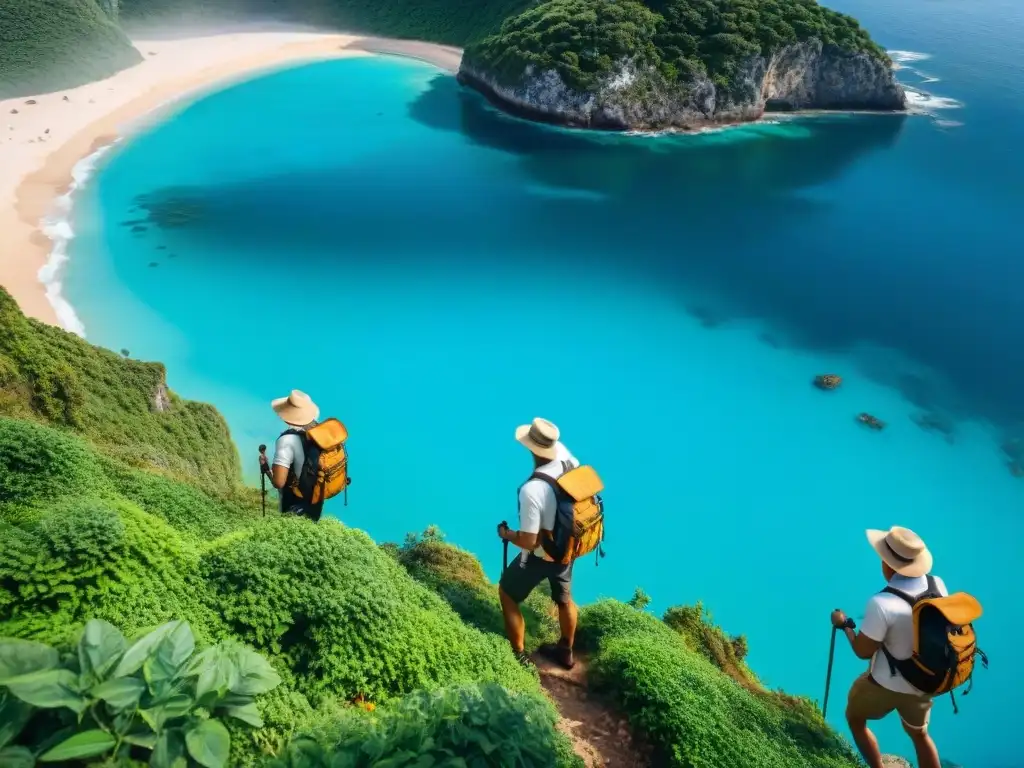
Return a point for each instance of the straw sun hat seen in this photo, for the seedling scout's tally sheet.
(540, 437)
(902, 550)
(298, 409)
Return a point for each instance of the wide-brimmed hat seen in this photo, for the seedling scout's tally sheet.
(540, 437)
(298, 409)
(902, 550)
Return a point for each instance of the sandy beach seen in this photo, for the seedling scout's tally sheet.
(40, 143)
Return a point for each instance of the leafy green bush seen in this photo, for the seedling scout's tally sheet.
(345, 617)
(694, 624)
(38, 464)
(688, 709)
(481, 725)
(87, 557)
(111, 699)
(457, 576)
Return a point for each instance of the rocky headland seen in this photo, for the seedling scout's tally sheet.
(724, 78)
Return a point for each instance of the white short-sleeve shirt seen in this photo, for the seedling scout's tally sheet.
(288, 452)
(889, 620)
(537, 502)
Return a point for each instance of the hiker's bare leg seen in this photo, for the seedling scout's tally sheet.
(567, 614)
(927, 753)
(515, 626)
(866, 741)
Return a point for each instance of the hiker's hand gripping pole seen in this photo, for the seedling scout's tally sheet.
(263, 478)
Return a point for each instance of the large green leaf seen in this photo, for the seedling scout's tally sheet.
(255, 673)
(100, 648)
(84, 744)
(147, 740)
(16, 757)
(141, 649)
(247, 714)
(169, 751)
(14, 713)
(170, 655)
(49, 689)
(218, 673)
(209, 743)
(22, 657)
(119, 692)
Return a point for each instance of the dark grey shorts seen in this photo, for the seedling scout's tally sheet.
(520, 579)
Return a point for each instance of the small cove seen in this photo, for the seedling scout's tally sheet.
(442, 265)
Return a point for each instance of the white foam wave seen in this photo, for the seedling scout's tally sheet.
(921, 101)
(57, 227)
(906, 57)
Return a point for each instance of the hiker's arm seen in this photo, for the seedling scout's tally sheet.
(521, 539)
(529, 520)
(279, 476)
(863, 645)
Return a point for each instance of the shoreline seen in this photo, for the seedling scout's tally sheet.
(50, 147)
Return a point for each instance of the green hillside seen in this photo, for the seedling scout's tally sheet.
(585, 39)
(48, 45)
(126, 511)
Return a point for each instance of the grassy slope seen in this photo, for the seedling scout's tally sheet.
(53, 44)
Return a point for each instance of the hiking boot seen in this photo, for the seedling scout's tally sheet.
(560, 653)
(524, 659)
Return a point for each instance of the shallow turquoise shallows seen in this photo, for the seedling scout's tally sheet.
(435, 274)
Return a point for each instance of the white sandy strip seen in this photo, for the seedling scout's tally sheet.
(41, 143)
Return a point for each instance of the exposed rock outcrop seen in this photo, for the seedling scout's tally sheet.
(806, 75)
(161, 400)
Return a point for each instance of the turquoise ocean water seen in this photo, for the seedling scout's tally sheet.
(435, 273)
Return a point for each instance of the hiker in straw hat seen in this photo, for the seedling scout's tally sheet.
(888, 628)
(300, 413)
(537, 509)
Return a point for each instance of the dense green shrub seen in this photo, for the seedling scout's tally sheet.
(38, 464)
(155, 698)
(695, 715)
(86, 557)
(479, 725)
(583, 40)
(344, 615)
(694, 624)
(456, 575)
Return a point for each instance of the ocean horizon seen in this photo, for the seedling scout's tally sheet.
(434, 273)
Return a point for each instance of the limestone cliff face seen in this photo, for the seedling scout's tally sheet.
(805, 75)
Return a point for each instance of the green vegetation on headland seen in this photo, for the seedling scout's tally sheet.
(122, 505)
(51, 44)
(586, 40)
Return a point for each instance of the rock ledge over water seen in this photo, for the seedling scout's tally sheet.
(802, 76)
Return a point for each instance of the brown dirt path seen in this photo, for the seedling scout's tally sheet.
(599, 735)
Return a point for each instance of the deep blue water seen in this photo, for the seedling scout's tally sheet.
(435, 273)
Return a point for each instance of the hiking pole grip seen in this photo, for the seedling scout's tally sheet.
(263, 479)
(828, 674)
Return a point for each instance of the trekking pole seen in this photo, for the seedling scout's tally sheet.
(505, 555)
(828, 675)
(263, 481)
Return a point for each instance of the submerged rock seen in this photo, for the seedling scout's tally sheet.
(932, 421)
(828, 381)
(804, 75)
(870, 421)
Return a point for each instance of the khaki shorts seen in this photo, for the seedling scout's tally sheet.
(870, 701)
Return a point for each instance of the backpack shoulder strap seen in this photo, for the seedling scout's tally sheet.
(901, 595)
(547, 479)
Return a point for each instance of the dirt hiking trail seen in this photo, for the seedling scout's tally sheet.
(599, 735)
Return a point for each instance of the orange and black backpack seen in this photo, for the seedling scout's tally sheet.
(944, 641)
(579, 517)
(325, 466)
